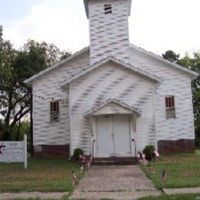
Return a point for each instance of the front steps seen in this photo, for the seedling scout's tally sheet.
(115, 161)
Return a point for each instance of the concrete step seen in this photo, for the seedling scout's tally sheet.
(115, 161)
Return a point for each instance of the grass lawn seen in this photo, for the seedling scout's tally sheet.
(44, 175)
(182, 170)
(174, 197)
(63, 198)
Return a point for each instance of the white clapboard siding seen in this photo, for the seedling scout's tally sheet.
(47, 87)
(175, 83)
(106, 82)
(99, 89)
(108, 32)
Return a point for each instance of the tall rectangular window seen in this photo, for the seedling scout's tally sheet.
(170, 107)
(107, 8)
(54, 111)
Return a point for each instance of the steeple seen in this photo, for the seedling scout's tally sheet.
(109, 35)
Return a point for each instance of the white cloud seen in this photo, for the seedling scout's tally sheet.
(155, 25)
(159, 25)
(50, 22)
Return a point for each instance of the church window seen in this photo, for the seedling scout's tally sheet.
(54, 111)
(170, 107)
(107, 8)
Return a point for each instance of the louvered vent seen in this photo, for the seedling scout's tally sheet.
(107, 8)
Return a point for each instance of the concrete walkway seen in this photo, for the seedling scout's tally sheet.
(114, 182)
(181, 190)
(26, 195)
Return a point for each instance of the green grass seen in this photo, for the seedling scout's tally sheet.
(174, 197)
(182, 170)
(44, 175)
(63, 198)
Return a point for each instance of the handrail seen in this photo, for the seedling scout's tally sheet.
(134, 142)
(93, 141)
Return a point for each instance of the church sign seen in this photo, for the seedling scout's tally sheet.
(14, 152)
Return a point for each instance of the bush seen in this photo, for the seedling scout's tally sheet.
(197, 138)
(149, 152)
(77, 153)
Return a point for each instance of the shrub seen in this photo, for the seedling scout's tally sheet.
(197, 138)
(77, 153)
(149, 152)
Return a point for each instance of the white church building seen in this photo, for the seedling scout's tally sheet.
(111, 99)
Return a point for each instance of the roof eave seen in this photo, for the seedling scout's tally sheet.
(86, 8)
(112, 100)
(34, 77)
(193, 74)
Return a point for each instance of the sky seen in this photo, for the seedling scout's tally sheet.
(156, 25)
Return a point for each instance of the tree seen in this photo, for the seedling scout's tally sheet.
(171, 56)
(39, 56)
(15, 67)
(7, 82)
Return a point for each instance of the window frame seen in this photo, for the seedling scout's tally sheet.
(54, 111)
(170, 107)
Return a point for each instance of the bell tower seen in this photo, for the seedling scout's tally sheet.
(109, 35)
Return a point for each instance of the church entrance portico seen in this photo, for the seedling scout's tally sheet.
(113, 130)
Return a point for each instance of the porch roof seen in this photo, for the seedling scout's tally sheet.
(125, 108)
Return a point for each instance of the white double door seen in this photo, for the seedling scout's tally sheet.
(113, 136)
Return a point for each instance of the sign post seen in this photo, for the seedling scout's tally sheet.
(25, 152)
(14, 152)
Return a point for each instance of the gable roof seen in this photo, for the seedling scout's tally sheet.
(34, 77)
(117, 61)
(115, 101)
(157, 57)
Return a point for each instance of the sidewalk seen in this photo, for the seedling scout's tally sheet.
(181, 190)
(95, 195)
(90, 195)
